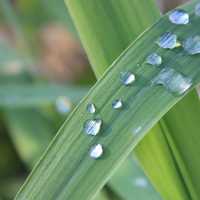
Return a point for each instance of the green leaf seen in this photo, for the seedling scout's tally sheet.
(129, 181)
(30, 131)
(148, 146)
(102, 196)
(108, 31)
(26, 95)
(66, 164)
(128, 28)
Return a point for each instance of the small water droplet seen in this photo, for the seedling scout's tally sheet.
(173, 81)
(63, 105)
(141, 182)
(91, 108)
(96, 151)
(179, 16)
(117, 104)
(167, 41)
(197, 9)
(92, 127)
(154, 59)
(137, 130)
(192, 45)
(127, 78)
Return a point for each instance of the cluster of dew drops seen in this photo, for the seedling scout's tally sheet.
(171, 79)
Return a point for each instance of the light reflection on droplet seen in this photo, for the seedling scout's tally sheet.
(91, 108)
(179, 16)
(92, 127)
(167, 41)
(154, 59)
(127, 78)
(192, 45)
(173, 81)
(137, 130)
(197, 9)
(96, 151)
(117, 104)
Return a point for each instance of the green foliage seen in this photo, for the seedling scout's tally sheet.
(70, 147)
(151, 144)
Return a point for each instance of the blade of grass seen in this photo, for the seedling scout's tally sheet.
(102, 196)
(30, 131)
(145, 104)
(129, 181)
(33, 95)
(118, 31)
(82, 17)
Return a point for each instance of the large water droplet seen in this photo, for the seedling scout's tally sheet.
(167, 41)
(117, 104)
(154, 59)
(92, 127)
(127, 78)
(96, 151)
(91, 108)
(197, 9)
(192, 45)
(179, 17)
(173, 81)
(63, 105)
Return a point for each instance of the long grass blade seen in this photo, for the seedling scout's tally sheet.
(69, 150)
(34, 95)
(147, 146)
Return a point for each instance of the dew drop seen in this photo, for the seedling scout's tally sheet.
(127, 78)
(173, 81)
(96, 151)
(154, 59)
(91, 108)
(137, 130)
(141, 182)
(92, 127)
(167, 41)
(63, 105)
(179, 16)
(197, 9)
(117, 104)
(192, 45)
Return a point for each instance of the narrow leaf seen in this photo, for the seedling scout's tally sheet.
(145, 104)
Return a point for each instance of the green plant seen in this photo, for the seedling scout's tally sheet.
(69, 150)
(31, 108)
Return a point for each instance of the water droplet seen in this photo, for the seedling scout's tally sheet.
(137, 130)
(117, 104)
(96, 151)
(197, 9)
(154, 59)
(92, 127)
(91, 108)
(63, 105)
(192, 45)
(127, 78)
(173, 81)
(141, 182)
(179, 16)
(167, 41)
